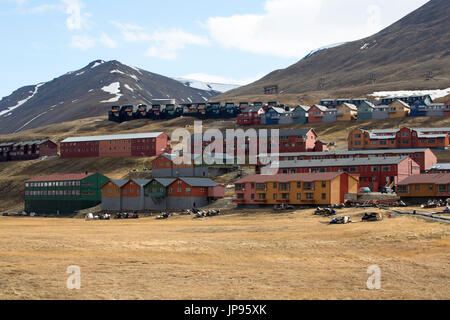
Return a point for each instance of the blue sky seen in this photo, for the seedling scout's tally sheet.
(232, 41)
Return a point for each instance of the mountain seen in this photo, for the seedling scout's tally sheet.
(208, 86)
(411, 54)
(89, 92)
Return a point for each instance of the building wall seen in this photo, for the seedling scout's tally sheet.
(111, 203)
(48, 149)
(400, 111)
(115, 148)
(79, 149)
(313, 117)
(183, 203)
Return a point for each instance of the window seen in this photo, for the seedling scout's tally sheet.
(430, 187)
(324, 196)
(299, 196)
(253, 196)
(374, 169)
(308, 185)
(275, 196)
(240, 196)
(386, 169)
(353, 169)
(171, 191)
(442, 188)
(299, 185)
(285, 196)
(417, 187)
(262, 196)
(239, 187)
(324, 184)
(310, 196)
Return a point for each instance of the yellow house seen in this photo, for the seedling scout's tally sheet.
(347, 112)
(399, 109)
(425, 186)
(296, 189)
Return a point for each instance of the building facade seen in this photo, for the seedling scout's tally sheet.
(124, 145)
(373, 172)
(425, 186)
(27, 150)
(295, 189)
(63, 193)
(434, 138)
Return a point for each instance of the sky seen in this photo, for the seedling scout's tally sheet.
(225, 41)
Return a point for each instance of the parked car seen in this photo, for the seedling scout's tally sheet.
(5, 214)
(365, 190)
(386, 190)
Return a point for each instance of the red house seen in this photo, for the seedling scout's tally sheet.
(249, 117)
(125, 145)
(316, 113)
(447, 108)
(27, 150)
(373, 172)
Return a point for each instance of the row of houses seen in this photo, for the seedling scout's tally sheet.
(435, 138)
(345, 111)
(425, 186)
(160, 194)
(27, 150)
(169, 109)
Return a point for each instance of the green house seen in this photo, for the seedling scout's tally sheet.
(157, 188)
(63, 193)
(365, 111)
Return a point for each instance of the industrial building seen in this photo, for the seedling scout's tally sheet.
(121, 145)
(63, 193)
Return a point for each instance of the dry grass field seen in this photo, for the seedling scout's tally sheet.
(255, 255)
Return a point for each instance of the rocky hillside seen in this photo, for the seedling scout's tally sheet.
(413, 53)
(88, 92)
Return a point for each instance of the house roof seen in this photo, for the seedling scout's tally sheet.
(439, 178)
(362, 152)
(199, 182)
(304, 108)
(337, 162)
(318, 106)
(350, 106)
(403, 103)
(165, 181)
(23, 143)
(119, 183)
(114, 137)
(141, 182)
(440, 166)
(61, 177)
(284, 178)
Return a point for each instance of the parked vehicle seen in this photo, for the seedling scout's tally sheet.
(283, 207)
(383, 189)
(365, 190)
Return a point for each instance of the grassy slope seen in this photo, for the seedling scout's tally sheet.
(14, 174)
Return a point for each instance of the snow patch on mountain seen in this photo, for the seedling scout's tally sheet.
(22, 102)
(323, 48)
(434, 94)
(97, 63)
(209, 86)
(114, 89)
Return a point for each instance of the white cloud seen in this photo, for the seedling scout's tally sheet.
(167, 44)
(132, 32)
(83, 42)
(76, 19)
(164, 44)
(107, 41)
(292, 28)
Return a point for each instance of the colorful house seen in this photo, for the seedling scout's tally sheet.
(112, 195)
(300, 114)
(399, 109)
(123, 145)
(155, 193)
(330, 115)
(27, 150)
(295, 189)
(187, 193)
(365, 110)
(425, 186)
(347, 112)
(373, 172)
(249, 117)
(277, 115)
(316, 113)
(63, 193)
(434, 138)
